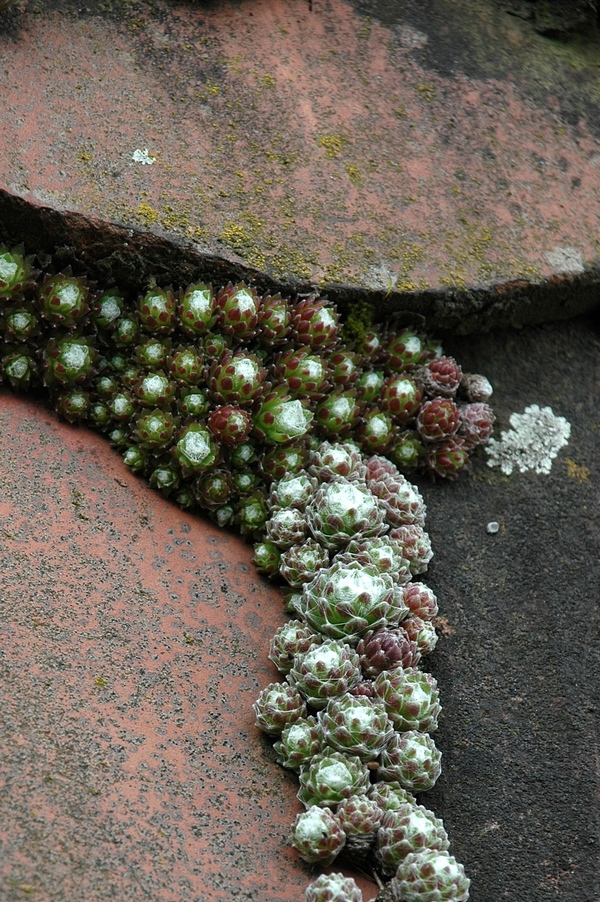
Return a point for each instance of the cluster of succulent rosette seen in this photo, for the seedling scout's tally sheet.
(268, 415)
(353, 712)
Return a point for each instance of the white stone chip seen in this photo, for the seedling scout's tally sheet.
(565, 259)
(536, 437)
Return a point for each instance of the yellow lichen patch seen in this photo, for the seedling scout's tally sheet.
(332, 144)
(268, 80)
(100, 682)
(354, 174)
(147, 213)
(577, 471)
(427, 91)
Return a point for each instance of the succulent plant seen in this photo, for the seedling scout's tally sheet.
(106, 309)
(15, 272)
(376, 431)
(154, 389)
(239, 307)
(325, 671)
(411, 759)
(301, 563)
(281, 419)
(407, 830)
(213, 489)
(411, 698)
(68, 361)
(448, 458)
(236, 378)
(369, 385)
(286, 527)
(404, 351)
(299, 743)
(416, 546)
(344, 601)
(422, 632)
(274, 321)
(63, 300)
(401, 397)
(330, 461)
(342, 510)
(475, 387)
(230, 424)
(291, 639)
(278, 462)
(330, 777)
(382, 552)
(476, 422)
(73, 405)
(420, 600)
(196, 309)
(390, 796)
(408, 451)
(20, 324)
(356, 726)
(277, 706)
(359, 817)
(305, 373)
(437, 419)
(402, 502)
(294, 490)
(154, 430)
(19, 368)
(195, 449)
(266, 558)
(440, 377)
(186, 365)
(431, 876)
(251, 515)
(317, 836)
(157, 311)
(333, 888)
(338, 413)
(345, 366)
(383, 649)
(315, 323)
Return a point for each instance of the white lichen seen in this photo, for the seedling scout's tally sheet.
(536, 437)
(143, 157)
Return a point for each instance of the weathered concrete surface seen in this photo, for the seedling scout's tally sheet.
(134, 640)
(413, 148)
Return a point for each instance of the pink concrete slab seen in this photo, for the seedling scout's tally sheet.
(134, 639)
(405, 147)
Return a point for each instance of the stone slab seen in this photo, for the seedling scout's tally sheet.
(438, 156)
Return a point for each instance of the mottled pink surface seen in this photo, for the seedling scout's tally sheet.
(318, 144)
(133, 641)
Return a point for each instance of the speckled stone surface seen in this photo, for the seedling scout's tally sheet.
(400, 147)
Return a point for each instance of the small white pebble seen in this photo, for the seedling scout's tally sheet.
(492, 527)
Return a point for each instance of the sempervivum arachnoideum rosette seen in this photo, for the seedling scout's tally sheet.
(338, 459)
(411, 828)
(381, 552)
(410, 697)
(325, 671)
(331, 777)
(412, 760)
(430, 876)
(344, 601)
(299, 743)
(359, 817)
(342, 510)
(356, 726)
(317, 835)
(333, 888)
